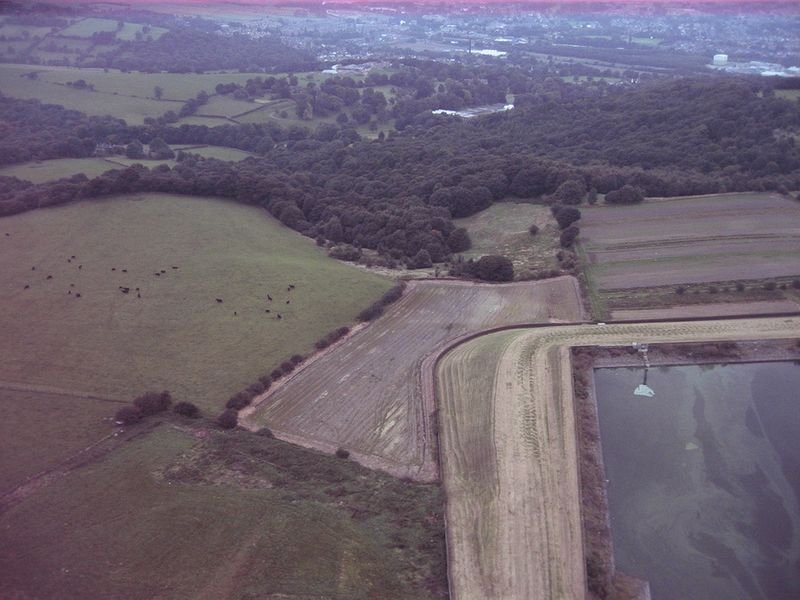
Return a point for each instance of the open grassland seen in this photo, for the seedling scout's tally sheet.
(509, 456)
(201, 514)
(41, 428)
(85, 28)
(182, 254)
(503, 229)
(366, 394)
(691, 240)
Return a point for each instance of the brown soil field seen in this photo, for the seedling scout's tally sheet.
(720, 309)
(690, 240)
(366, 393)
(509, 451)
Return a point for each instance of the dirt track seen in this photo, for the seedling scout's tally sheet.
(509, 456)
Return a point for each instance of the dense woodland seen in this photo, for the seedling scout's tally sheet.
(399, 194)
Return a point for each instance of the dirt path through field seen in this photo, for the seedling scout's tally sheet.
(520, 536)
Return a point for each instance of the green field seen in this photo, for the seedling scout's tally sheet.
(176, 336)
(228, 515)
(67, 422)
(49, 170)
(503, 229)
(87, 27)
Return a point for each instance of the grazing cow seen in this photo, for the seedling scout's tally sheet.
(26, 287)
(219, 300)
(71, 285)
(124, 270)
(235, 313)
(138, 295)
(73, 256)
(113, 268)
(78, 295)
(268, 310)
(80, 266)
(69, 260)
(174, 267)
(8, 234)
(33, 268)
(163, 271)
(288, 301)
(279, 316)
(137, 289)
(49, 277)
(269, 297)
(157, 274)
(69, 293)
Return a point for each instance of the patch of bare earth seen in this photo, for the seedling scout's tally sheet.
(720, 309)
(669, 241)
(366, 395)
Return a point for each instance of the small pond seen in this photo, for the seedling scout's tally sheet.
(704, 478)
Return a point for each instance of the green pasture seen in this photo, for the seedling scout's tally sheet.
(40, 429)
(50, 170)
(88, 27)
(176, 336)
(503, 229)
(168, 515)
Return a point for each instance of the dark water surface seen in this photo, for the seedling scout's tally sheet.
(704, 478)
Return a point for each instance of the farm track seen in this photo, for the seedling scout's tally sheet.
(514, 530)
(369, 395)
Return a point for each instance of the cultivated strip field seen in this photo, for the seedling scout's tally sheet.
(366, 395)
(691, 240)
(509, 456)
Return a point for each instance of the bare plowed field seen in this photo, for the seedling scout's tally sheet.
(692, 240)
(365, 394)
(509, 456)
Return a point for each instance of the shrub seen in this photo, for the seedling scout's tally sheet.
(371, 313)
(153, 402)
(266, 381)
(228, 419)
(713, 289)
(533, 229)
(287, 367)
(187, 409)
(342, 453)
(770, 286)
(276, 374)
(393, 295)
(322, 344)
(566, 215)
(265, 432)
(680, 290)
(345, 252)
(739, 286)
(568, 236)
(421, 260)
(254, 389)
(796, 284)
(494, 267)
(128, 415)
(627, 194)
(297, 359)
(458, 240)
(239, 400)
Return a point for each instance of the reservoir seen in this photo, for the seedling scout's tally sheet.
(704, 478)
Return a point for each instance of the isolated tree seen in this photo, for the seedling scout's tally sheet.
(134, 150)
(458, 240)
(494, 267)
(566, 215)
(568, 236)
(533, 229)
(627, 194)
(187, 409)
(158, 92)
(128, 415)
(228, 418)
(421, 260)
(151, 403)
(571, 191)
(160, 150)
